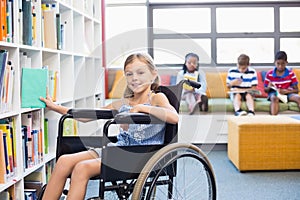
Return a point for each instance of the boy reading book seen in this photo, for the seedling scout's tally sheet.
(281, 83)
(242, 82)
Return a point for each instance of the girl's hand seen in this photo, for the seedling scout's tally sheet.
(48, 101)
(52, 106)
(137, 108)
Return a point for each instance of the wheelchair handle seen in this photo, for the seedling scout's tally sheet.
(92, 113)
(136, 118)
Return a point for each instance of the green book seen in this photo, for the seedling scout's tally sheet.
(34, 86)
(46, 143)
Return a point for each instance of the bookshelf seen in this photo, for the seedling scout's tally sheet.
(73, 58)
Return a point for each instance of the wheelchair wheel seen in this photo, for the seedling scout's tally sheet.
(177, 171)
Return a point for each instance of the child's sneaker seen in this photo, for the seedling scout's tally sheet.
(250, 113)
(240, 113)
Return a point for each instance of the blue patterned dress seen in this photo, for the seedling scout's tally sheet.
(140, 134)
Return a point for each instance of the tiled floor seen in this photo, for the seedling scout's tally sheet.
(233, 185)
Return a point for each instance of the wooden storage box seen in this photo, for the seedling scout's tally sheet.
(264, 142)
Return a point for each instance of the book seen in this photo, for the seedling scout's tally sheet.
(281, 97)
(9, 147)
(26, 119)
(2, 160)
(37, 185)
(7, 166)
(27, 22)
(3, 19)
(34, 25)
(58, 31)
(3, 62)
(46, 143)
(55, 85)
(10, 86)
(30, 194)
(12, 124)
(50, 38)
(250, 91)
(24, 146)
(9, 20)
(5, 195)
(34, 86)
(7, 89)
(20, 25)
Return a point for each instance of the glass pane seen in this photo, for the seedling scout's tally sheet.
(260, 50)
(289, 19)
(122, 35)
(292, 47)
(182, 20)
(173, 51)
(245, 20)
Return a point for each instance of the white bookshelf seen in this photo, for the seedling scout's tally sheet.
(79, 70)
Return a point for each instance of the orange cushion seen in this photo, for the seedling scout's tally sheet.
(118, 86)
(297, 73)
(216, 85)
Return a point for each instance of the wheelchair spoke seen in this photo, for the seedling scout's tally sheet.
(192, 177)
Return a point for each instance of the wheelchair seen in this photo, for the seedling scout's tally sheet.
(169, 171)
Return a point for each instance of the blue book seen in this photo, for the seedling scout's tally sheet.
(27, 22)
(3, 61)
(6, 154)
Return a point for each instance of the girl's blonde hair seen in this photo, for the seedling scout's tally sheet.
(145, 58)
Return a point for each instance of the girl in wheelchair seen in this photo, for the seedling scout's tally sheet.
(142, 79)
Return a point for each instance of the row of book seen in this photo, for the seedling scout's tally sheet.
(32, 139)
(8, 161)
(53, 30)
(32, 188)
(32, 143)
(33, 79)
(6, 19)
(32, 185)
(27, 22)
(7, 76)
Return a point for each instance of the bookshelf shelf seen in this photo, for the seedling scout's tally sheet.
(65, 39)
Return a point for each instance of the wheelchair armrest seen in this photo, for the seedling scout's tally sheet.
(136, 118)
(92, 113)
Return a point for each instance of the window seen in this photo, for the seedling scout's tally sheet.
(182, 20)
(292, 48)
(239, 20)
(173, 51)
(260, 50)
(223, 30)
(289, 19)
(126, 32)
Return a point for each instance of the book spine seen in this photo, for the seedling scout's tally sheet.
(2, 159)
(46, 143)
(3, 13)
(7, 166)
(27, 22)
(58, 31)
